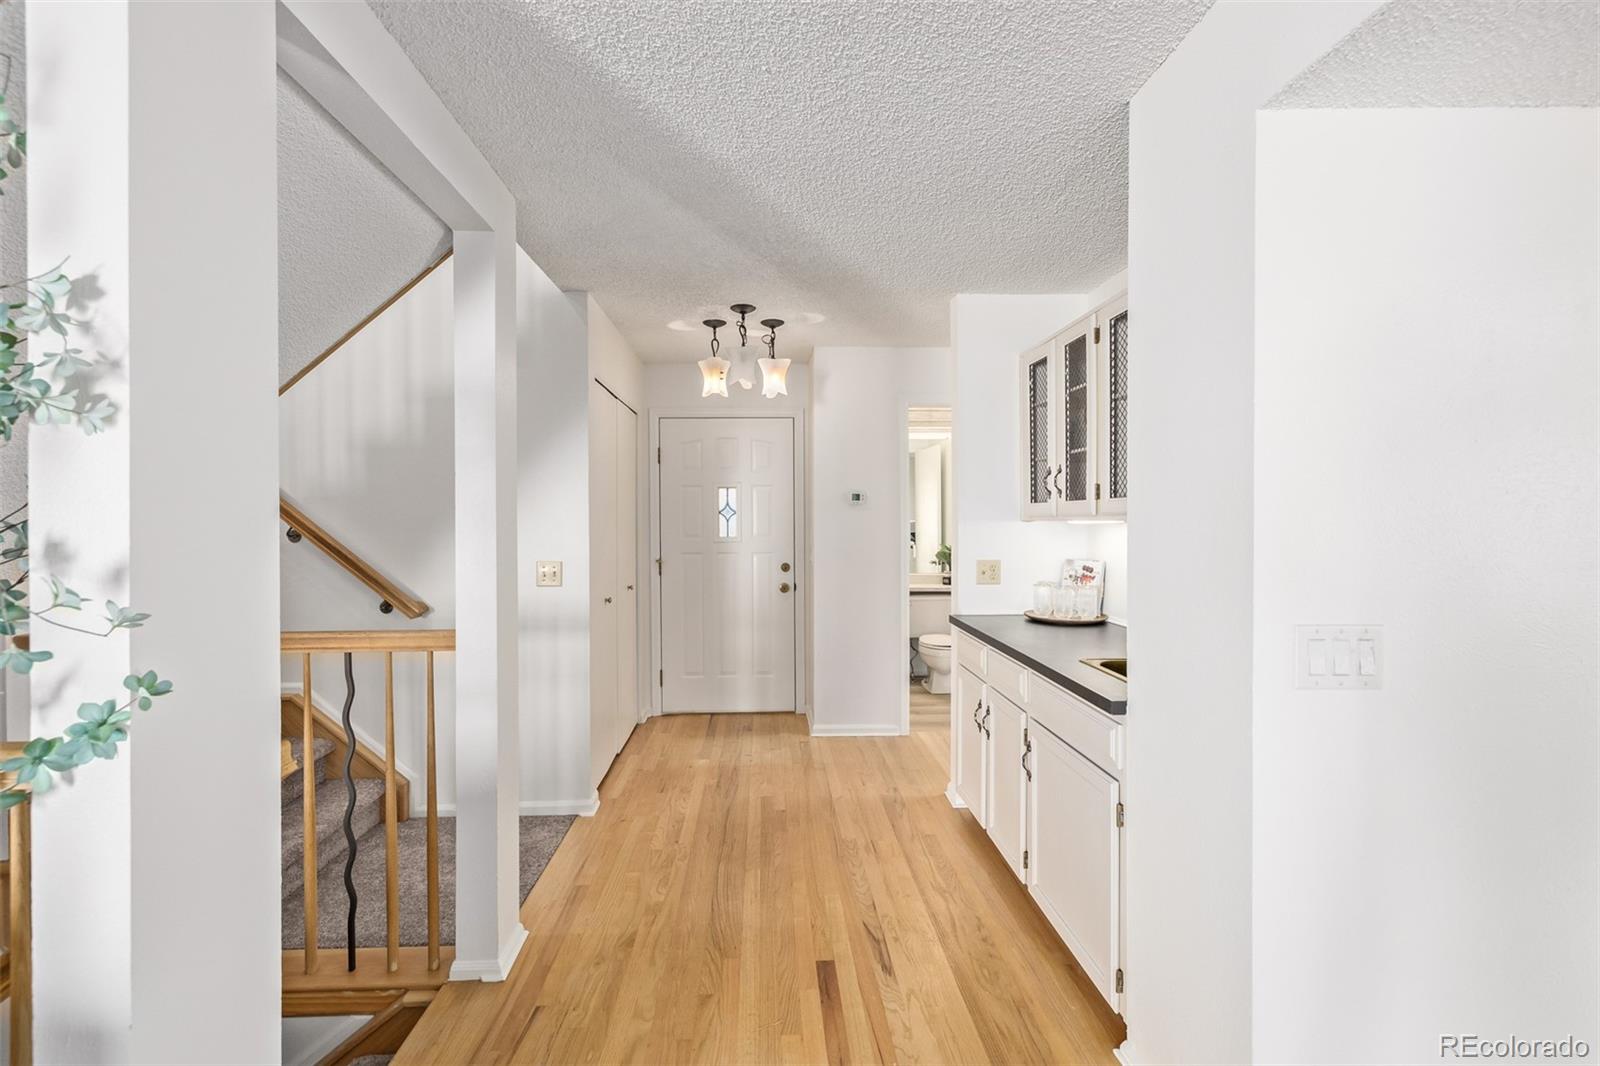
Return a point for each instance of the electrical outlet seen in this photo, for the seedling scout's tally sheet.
(549, 573)
(988, 571)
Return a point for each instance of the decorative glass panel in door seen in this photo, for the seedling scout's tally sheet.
(1076, 488)
(1117, 385)
(1039, 457)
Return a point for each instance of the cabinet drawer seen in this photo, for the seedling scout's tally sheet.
(970, 652)
(1006, 677)
(1092, 733)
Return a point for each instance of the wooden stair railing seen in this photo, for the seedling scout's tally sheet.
(402, 968)
(17, 884)
(393, 597)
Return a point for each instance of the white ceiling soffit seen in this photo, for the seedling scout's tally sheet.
(853, 161)
(349, 233)
(1460, 53)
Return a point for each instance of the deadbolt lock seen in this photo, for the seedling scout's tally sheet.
(784, 568)
(783, 587)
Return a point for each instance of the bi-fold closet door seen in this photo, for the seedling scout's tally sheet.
(613, 577)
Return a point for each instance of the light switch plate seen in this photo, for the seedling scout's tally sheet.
(549, 573)
(988, 571)
(1338, 657)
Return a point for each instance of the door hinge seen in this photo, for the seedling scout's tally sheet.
(661, 681)
(1097, 334)
(1024, 860)
(658, 456)
(1097, 490)
(1119, 979)
(1119, 816)
(658, 565)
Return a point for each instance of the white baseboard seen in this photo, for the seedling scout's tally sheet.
(856, 730)
(585, 808)
(497, 969)
(307, 1041)
(954, 797)
(1126, 1054)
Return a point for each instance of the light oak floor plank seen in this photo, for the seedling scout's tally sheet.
(751, 894)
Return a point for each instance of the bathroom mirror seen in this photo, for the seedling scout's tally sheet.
(928, 467)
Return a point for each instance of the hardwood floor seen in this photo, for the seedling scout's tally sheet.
(750, 894)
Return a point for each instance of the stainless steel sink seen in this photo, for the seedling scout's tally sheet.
(1117, 668)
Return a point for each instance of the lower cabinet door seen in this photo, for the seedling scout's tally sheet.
(967, 756)
(1008, 794)
(1074, 847)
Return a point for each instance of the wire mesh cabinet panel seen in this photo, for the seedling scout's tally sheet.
(1040, 464)
(1077, 394)
(1112, 446)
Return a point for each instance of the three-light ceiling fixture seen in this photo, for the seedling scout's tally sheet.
(774, 371)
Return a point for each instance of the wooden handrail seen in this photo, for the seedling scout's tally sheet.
(353, 640)
(358, 567)
(19, 922)
(359, 326)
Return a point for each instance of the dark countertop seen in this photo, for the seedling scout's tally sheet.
(1053, 652)
(930, 590)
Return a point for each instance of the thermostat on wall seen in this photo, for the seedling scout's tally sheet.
(857, 498)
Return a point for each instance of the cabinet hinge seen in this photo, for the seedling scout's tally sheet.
(658, 456)
(1119, 979)
(658, 565)
(1024, 860)
(1097, 490)
(1119, 816)
(661, 681)
(1097, 334)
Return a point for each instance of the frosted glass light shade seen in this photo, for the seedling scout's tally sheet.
(774, 377)
(744, 375)
(714, 375)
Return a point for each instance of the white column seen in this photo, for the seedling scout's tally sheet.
(488, 934)
(153, 166)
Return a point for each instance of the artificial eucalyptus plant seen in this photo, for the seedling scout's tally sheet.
(46, 386)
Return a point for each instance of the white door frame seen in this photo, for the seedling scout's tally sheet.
(907, 402)
(802, 547)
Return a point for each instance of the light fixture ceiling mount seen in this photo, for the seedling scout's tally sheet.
(714, 370)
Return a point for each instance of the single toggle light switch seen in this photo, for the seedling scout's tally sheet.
(1348, 657)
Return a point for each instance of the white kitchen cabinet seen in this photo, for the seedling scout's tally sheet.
(1074, 418)
(1074, 847)
(1008, 794)
(969, 753)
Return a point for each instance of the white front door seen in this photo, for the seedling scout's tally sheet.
(728, 568)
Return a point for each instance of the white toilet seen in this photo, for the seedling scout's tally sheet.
(935, 651)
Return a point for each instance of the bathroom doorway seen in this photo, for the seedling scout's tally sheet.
(927, 533)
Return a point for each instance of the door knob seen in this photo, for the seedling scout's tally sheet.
(784, 568)
(783, 587)
(630, 588)
(608, 599)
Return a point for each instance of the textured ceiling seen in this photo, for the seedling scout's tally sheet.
(1461, 53)
(349, 234)
(859, 160)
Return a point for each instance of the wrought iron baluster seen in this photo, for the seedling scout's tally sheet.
(349, 814)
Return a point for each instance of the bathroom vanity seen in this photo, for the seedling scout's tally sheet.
(1037, 756)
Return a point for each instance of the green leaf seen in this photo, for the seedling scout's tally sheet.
(11, 797)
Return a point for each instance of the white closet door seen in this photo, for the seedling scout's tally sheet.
(603, 609)
(627, 581)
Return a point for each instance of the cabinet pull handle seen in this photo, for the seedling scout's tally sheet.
(1027, 749)
(984, 725)
(1059, 468)
(975, 720)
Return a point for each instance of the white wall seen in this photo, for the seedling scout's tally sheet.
(155, 919)
(366, 451)
(553, 523)
(858, 557)
(1426, 411)
(1191, 295)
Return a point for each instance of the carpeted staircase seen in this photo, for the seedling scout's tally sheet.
(539, 838)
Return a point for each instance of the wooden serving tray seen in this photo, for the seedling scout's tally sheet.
(1051, 620)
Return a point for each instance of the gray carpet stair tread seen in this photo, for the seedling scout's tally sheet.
(294, 786)
(330, 824)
